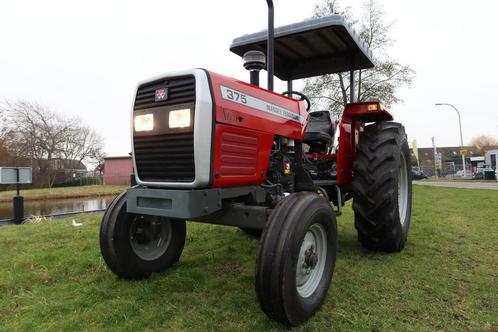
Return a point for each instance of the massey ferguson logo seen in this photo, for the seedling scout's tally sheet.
(161, 94)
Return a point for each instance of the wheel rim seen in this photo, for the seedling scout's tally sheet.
(402, 190)
(311, 261)
(150, 237)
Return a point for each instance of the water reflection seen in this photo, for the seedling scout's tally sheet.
(56, 206)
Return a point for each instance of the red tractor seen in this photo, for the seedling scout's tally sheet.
(209, 148)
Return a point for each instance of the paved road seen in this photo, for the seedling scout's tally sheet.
(466, 185)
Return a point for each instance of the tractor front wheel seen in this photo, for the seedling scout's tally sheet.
(134, 246)
(382, 187)
(296, 258)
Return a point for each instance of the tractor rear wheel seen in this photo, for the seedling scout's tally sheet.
(296, 258)
(382, 187)
(134, 246)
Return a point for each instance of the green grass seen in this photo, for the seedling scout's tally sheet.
(60, 193)
(52, 277)
(456, 180)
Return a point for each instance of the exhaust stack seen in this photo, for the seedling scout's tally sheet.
(270, 44)
(254, 61)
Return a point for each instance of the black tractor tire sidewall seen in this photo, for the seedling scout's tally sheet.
(107, 247)
(405, 149)
(307, 306)
(294, 219)
(118, 252)
(376, 206)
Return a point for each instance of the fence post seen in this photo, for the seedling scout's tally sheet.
(18, 203)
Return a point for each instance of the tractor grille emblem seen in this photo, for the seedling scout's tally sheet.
(161, 94)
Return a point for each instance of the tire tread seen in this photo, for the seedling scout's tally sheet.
(375, 186)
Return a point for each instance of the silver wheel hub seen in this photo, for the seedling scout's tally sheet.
(311, 261)
(402, 190)
(150, 237)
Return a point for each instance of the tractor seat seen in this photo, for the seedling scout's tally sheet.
(319, 132)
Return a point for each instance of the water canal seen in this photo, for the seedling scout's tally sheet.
(57, 206)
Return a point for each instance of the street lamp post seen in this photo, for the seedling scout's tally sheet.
(461, 136)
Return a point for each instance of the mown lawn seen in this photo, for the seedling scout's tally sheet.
(53, 278)
(60, 193)
(456, 180)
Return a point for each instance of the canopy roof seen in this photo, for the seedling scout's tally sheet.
(313, 47)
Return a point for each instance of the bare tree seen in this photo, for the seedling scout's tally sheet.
(483, 143)
(34, 132)
(82, 144)
(380, 83)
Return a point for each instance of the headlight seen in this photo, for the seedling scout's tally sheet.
(144, 122)
(179, 118)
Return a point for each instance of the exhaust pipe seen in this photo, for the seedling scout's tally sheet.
(270, 44)
(254, 61)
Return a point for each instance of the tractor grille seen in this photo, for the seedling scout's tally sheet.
(166, 155)
(165, 158)
(180, 91)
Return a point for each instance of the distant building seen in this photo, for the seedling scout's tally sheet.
(117, 170)
(452, 160)
(491, 157)
(67, 170)
(62, 170)
(478, 162)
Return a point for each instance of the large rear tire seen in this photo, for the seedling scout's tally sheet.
(382, 187)
(296, 258)
(134, 246)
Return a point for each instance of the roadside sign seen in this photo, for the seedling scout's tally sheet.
(438, 160)
(8, 175)
(464, 152)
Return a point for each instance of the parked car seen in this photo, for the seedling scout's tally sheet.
(484, 174)
(460, 175)
(418, 175)
(478, 175)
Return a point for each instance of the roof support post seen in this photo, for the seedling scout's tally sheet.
(351, 86)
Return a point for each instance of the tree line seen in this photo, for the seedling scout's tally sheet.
(33, 135)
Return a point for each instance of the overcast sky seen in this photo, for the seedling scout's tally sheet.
(85, 58)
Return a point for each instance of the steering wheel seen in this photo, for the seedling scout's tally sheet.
(302, 95)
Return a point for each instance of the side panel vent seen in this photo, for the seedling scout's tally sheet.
(239, 154)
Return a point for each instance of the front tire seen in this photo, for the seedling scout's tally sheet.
(296, 258)
(382, 187)
(134, 246)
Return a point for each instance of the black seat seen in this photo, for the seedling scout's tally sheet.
(319, 132)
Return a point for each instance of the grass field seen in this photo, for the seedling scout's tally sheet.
(59, 193)
(456, 180)
(52, 277)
